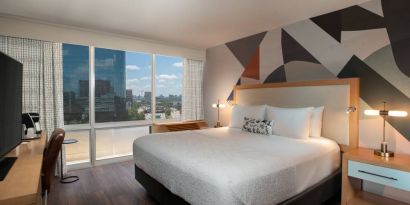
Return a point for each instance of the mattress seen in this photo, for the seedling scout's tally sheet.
(228, 166)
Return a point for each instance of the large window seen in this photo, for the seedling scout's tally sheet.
(122, 101)
(168, 94)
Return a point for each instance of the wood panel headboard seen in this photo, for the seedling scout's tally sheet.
(335, 95)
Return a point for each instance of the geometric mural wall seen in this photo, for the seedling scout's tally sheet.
(351, 42)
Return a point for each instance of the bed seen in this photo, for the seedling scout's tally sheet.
(229, 166)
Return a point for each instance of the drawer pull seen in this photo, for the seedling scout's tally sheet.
(391, 178)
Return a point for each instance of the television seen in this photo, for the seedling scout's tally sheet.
(11, 76)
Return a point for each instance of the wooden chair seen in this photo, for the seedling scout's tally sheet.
(51, 152)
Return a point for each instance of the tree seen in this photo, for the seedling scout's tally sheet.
(133, 113)
(167, 112)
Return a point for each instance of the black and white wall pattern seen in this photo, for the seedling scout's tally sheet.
(370, 41)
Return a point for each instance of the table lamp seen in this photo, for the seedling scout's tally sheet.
(218, 106)
(383, 152)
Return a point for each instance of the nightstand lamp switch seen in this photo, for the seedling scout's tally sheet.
(383, 152)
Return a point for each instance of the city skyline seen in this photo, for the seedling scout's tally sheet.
(137, 70)
(169, 73)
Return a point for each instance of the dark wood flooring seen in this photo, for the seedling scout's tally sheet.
(101, 185)
(107, 184)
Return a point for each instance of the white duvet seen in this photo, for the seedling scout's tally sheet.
(228, 166)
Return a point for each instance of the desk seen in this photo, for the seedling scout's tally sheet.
(22, 184)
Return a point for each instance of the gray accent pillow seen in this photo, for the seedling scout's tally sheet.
(263, 127)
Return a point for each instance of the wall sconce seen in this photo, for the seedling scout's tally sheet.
(218, 106)
(383, 152)
(350, 109)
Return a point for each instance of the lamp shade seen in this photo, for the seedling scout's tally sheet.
(397, 113)
(372, 112)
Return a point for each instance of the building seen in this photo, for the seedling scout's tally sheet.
(147, 95)
(129, 98)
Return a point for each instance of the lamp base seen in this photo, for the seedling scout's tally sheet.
(218, 124)
(383, 153)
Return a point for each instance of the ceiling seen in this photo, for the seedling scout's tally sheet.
(189, 23)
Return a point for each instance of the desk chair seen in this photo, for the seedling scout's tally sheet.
(49, 160)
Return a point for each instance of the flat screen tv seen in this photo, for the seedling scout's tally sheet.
(11, 76)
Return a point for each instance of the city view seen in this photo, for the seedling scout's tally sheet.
(123, 90)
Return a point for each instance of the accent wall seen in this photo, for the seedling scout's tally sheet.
(370, 41)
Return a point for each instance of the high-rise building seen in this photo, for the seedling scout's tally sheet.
(103, 87)
(110, 66)
(129, 96)
(147, 95)
(110, 85)
(83, 88)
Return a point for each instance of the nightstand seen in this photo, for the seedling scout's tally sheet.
(361, 164)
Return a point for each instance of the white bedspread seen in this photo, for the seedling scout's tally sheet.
(228, 166)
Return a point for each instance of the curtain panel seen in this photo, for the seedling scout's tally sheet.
(192, 90)
(42, 80)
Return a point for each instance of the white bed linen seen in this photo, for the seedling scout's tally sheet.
(228, 166)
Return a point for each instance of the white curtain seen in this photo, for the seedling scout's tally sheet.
(192, 93)
(42, 79)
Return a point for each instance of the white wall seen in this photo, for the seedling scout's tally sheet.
(17, 27)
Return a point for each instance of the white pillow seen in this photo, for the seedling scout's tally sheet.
(239, 112)
(316, 122)
(290, 122)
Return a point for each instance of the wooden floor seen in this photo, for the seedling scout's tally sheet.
(107, 184)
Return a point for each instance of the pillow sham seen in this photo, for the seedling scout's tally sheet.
(263, 127)
(290, 122)
(241, 111)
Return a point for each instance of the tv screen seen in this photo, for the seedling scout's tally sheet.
(11, 76)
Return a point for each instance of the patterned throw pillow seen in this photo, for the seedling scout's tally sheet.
(263, 127)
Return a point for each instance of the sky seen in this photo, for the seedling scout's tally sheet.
(168, 73)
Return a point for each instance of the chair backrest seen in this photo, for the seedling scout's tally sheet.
(50, 157)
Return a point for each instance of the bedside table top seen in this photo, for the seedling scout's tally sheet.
(399, 161)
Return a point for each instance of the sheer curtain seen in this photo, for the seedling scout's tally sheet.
(42, 79)
(192, 94)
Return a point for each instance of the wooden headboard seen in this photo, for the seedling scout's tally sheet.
(335, 95)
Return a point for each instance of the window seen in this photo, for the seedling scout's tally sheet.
(117, 142)
(123, 98)
(168, 93)
(75, 84)
(80, 151)
(122, 85)
(76, 100)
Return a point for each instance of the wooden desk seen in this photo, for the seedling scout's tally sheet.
(22, 185)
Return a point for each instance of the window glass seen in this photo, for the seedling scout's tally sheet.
(168, 80)
(122, 85)
(78, 152)
(117, 142)
(76, 84)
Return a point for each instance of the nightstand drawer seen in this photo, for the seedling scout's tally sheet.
(382, 175)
